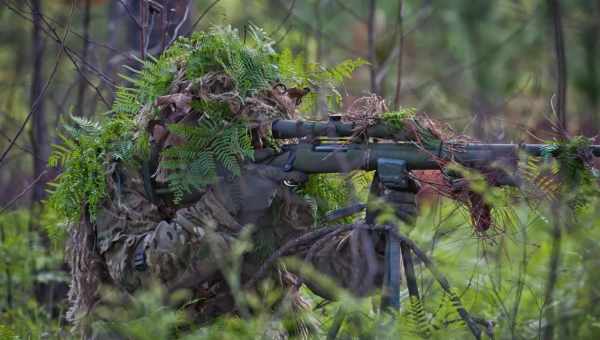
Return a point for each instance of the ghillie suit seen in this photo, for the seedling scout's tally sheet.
(164, 188)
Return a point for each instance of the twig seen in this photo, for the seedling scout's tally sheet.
(350, 11)
(181, 22)
(330, 38)
(285, 19)
(131, 16)
(26, 190)
(461, 68)
(23, 148)
(302, 240)
(202, 16)
(421, 17)
(50, 31)
(38, 100)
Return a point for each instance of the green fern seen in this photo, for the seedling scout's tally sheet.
(83, 156)
(562, 171)
(334, 191)
(217, 140)
(251, 66)
(397, 119)
(419, 323)
(126, 101)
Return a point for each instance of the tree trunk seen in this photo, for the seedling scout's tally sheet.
(561, 103)
(400, 33)
(39, 128)
(79, 110)
(371, 46)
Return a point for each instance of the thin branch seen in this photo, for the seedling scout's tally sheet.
(421, 15)
(130, 14)
(285, 19)
(181, 22)
(350, 11)
(202, 16)
(50, 32)
(82, 37)
(38, 100)
(330, 38)
(461, 68)
(26, 190)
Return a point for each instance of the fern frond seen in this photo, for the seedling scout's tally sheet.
(418, 319)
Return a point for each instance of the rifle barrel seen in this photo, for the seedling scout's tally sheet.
(286, 129)
(336, 157)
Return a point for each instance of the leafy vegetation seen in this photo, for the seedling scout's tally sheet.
(84, 158)
(220, 137)
(217, 139)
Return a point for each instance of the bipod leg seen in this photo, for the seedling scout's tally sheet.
(390, 297)
(416, 308)
(409, 271)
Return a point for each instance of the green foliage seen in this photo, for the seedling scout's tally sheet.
(217, 140)
(24, 262)
(335, 191)
(563, 171)
(152, 80)
(397, 119)
(84, 157)
(324, 80)
(251, 65)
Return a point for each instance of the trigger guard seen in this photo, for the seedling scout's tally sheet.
(289, 183)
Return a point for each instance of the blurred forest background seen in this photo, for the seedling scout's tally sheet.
(501, 71)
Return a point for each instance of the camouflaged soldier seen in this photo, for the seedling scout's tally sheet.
(138, 246)
(141, 236)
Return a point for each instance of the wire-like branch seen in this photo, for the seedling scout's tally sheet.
(26, 190)
(202, 16)
(461, 68)
(130, 14)
(75, 58)
(285, 19)
(350, 11)
(181, 22)
(38, 100)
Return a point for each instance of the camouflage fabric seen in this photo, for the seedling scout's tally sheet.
(140, 244)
